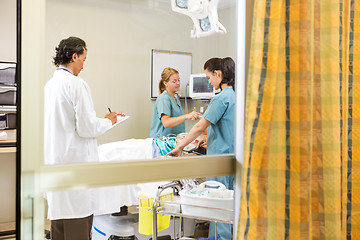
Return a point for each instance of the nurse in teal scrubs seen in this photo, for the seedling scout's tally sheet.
(168, 115)
(219, 122)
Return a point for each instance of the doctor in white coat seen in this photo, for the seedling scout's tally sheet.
(70, 131)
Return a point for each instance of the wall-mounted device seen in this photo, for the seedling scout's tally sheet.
(203, 13)
(199, 87)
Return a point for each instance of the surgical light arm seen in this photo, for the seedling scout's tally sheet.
(204, 15)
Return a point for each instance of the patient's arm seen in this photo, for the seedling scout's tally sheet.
(195, 131)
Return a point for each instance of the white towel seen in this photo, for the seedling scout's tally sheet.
(131, 149)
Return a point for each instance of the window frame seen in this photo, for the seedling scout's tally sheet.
(36, 178)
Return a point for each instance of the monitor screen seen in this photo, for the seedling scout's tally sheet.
(199, 87)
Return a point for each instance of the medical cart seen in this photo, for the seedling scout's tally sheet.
(167, 207)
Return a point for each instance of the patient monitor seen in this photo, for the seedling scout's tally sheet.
(199, 87)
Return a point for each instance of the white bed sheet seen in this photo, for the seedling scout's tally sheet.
(110, 199)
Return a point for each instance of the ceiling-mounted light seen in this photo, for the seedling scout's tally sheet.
(203, 13)
(182, 3)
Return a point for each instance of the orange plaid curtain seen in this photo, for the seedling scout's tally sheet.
(301, 171)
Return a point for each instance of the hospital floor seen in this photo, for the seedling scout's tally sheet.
(47, 223)
(132, 210)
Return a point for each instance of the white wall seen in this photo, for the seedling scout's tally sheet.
(120, 36)
(7, 160)
(8, 30)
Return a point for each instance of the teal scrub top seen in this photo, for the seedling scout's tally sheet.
(165, 104)
(221, 114)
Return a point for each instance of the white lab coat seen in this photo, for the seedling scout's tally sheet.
(70, 131)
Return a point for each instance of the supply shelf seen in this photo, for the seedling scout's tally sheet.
(180, 214)
(161, 206)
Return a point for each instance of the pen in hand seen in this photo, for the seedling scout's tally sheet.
(112, 118)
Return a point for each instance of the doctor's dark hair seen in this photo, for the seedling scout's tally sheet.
(226, 66)
(165, 77)
(67, 47)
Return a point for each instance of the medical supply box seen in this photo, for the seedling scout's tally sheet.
(7, 73)
(215, 202)
(7, 117)
(7, 120)
(7, 95)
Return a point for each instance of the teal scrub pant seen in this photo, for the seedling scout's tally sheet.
(223, 229)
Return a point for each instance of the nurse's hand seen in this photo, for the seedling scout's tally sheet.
(112, 116)
(176, 152)
(193, 116)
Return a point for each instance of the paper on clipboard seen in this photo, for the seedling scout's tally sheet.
(120, 119)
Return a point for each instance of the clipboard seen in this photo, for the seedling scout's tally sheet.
(120, 119)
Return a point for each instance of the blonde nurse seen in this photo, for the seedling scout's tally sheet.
(168, 115)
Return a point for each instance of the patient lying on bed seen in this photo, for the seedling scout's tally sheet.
(133, 149)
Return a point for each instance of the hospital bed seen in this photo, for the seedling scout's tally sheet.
(110, 199)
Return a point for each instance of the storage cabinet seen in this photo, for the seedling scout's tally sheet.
(7, 95)
(7, 73)
(8, 188)
(8, 91)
